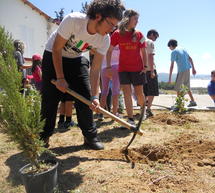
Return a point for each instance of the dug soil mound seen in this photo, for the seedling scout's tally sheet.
(177, 165)
(173, 118)
(185, 147)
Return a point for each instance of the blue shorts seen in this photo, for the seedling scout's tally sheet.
(211, 88)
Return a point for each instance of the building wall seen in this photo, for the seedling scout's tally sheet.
(25, 24)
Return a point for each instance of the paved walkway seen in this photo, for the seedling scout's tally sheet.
(203, 101)
(169, 100)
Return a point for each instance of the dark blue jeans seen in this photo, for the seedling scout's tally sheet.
(76, 72)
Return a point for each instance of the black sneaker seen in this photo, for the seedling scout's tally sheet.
(192, 104)
(93, 143)
(131, 121)
(149, 113)
(60, 125)
(67, 125)
(101, 117)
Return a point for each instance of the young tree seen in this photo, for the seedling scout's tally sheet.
(20, 115)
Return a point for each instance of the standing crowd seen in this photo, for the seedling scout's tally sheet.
(123, 55)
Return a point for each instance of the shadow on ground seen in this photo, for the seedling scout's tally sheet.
(67, 180)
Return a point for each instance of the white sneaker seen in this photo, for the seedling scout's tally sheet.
(118, 115)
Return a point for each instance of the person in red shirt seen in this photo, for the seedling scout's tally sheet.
(132, 60)
(37, 71)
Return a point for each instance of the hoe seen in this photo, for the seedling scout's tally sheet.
(136, 129)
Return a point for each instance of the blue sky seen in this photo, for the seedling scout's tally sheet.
(191, 22)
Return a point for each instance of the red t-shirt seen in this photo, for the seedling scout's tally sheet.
(36, 74)
(130, 59)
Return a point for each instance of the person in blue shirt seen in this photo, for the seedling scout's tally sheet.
(211, 86)
(184, 63)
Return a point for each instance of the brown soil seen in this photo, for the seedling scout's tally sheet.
(176, 154)
(174, 119)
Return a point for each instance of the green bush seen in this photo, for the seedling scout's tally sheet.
(166, 85)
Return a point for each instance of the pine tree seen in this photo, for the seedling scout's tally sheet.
(20, 115)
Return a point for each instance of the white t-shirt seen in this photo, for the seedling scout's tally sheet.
(150, 50)
(114, 57)
(74, 29)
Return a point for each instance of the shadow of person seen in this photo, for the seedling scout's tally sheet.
(69, 180)
(116, 132)
(68, 149)
(66, 179)
(103, 123)
(15, 162)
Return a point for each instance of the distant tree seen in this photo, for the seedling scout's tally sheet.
(84, 7)
(166, 85)
(59, 15)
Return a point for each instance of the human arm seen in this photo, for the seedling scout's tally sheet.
(20, 61)
(40, 73)
(95, 79)
(192, 64)
(144, 57)
(25, 66)
(151, 64)
(108, 59)
(58, 45)
(170, 71)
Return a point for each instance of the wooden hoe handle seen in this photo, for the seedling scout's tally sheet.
(101, 110)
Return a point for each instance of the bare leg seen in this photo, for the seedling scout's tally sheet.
(68, 108)
(115, 102)
(128, 100)
(213, 97)
(150, 100)
(139, 94)
(190, 95)
(103, 101)
(62, 108)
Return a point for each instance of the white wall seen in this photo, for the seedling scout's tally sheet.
(25, 24)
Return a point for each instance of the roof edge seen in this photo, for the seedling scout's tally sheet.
(38, 10)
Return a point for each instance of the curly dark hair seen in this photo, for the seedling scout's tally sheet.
(172, 43)
(154, 32)
(106, 8)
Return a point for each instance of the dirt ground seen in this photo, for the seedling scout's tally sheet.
(176, 154)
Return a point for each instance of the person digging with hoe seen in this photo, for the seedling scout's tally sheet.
(63, 61)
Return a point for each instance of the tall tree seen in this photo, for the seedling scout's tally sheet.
(84, 7)
(59, 15)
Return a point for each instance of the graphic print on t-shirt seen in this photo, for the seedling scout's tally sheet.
(76, 47)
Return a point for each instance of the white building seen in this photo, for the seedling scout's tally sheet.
(27, 23)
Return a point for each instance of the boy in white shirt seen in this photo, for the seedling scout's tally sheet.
(63, 61)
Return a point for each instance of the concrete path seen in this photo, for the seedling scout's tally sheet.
(204, 102)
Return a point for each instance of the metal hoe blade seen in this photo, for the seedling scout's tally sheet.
(142, 114)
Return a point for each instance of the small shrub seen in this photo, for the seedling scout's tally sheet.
(180, 101)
